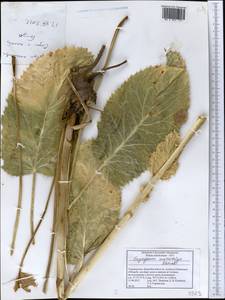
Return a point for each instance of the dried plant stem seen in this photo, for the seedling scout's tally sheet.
(34, 175)
(50, 256)
(113, 42)
(76, 149)
(36, 229)
(18, 212)
(143, 196)
(109, 54)
(73, 168)
(20, 150)
(62, 198)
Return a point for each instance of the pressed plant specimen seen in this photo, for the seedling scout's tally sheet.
(138, 131)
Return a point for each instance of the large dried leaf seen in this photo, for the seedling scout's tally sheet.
(95, 213)
(162, 154)
(137, 117)
(42, 93)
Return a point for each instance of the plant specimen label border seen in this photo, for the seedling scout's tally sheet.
(160, 268)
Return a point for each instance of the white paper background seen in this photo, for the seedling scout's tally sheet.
(177, 215)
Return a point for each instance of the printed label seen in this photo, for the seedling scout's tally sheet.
(160, 269)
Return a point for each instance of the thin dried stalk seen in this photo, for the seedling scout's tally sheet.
(50, 256)
(143, 196)
(45, 286)
(20, 149)
(33, 236)
(111, 47)
(76, 148)
(73, 166)
(62, 198)
(114, 38)
(32, 205)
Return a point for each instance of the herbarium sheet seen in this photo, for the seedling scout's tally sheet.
(103, 105)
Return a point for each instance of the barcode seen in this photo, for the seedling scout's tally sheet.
(173, 13)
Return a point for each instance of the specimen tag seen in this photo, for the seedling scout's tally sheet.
(160, 269)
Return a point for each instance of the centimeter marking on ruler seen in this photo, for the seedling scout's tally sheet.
(216, 206)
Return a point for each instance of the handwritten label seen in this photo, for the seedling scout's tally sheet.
(31, 29)
(42, 23)
(160, 269)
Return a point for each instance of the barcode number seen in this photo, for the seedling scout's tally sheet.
(173, 13)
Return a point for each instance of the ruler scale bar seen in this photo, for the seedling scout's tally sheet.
(216, 206)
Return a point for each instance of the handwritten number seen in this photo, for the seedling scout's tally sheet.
(45, 23)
